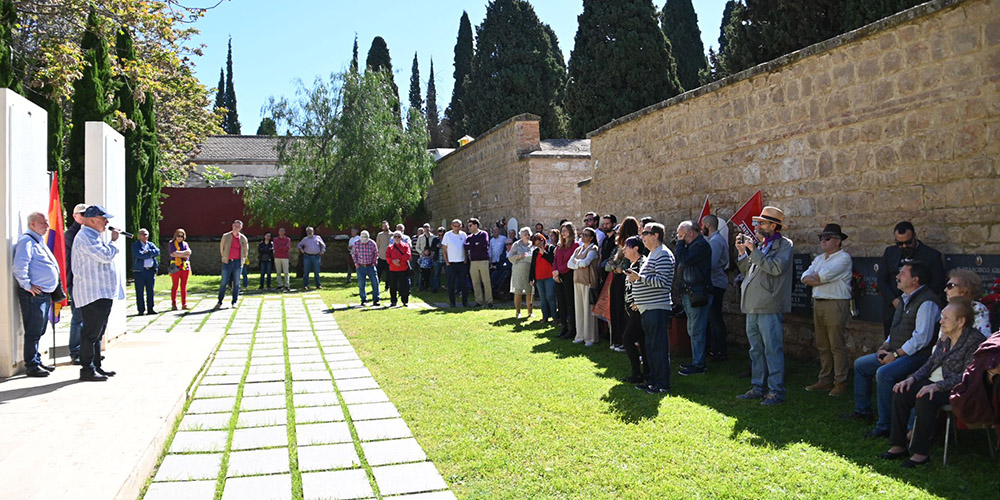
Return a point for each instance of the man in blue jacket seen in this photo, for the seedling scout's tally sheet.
(144, 266)
(694, 260)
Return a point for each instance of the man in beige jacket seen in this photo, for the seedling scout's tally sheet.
(234, 249)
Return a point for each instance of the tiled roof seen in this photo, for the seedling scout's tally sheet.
(238, 148)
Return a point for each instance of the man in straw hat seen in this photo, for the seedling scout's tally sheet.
(765, 260)
(829, 275)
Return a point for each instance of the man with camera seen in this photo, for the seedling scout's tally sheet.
(37, 275)
(765, 260)
(694, 261)
(904, 351)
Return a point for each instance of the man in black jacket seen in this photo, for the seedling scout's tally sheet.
(907, 247)
(76, 324)
(694, 261)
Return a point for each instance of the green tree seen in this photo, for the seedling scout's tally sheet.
(354, 59)
(857, 13)
(136, 162)
(379, 61)
(92, 101)
(232, 121)
(267, 127)
(220, 92)
(680, 24)
(343, 165)
(621, 62)
(416, 99)
(464, 52)
(437, 139)
(516, 69)
(10, 76)
(149, 214)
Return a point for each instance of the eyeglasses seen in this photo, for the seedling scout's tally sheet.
(828, 238)
(647, 233)
(906, 243)
(950, 285)
(588, 220)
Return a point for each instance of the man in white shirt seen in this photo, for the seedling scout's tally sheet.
(456, 268)
(829, 275)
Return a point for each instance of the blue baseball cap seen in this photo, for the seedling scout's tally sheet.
(97, 211)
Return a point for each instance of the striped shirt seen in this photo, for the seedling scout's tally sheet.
(656, 277)
(94, 273)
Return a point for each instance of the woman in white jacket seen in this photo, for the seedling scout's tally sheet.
(584, 263)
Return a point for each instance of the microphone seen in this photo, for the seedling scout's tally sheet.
(122, 232)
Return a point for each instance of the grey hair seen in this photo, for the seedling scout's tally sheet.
(523, 230)
(36, 217)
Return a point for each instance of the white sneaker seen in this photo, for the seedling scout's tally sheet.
(589, 344)
(517, 315)
(577, 341)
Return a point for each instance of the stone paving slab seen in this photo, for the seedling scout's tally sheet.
(372, 411)
(372, 430)
(341, 484)
(189, 467)
(205, 422)
(214, 405)
(365, 396)
(192, 490)
(394, 451)
(408, 478)
(258, 488)
(263, 389)
(319, 414)
(315, 399)
(249, 463)
(324, 433)
(216, 391)
(262, 402)
(263, 418)
(328, 456)
(310, 386)
(260, 437)
(357, 384)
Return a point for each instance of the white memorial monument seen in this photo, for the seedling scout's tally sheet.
(24, 186)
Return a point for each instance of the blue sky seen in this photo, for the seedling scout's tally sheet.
(275, 43)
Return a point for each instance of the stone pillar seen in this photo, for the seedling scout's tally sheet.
(24, 187)
(105, 185)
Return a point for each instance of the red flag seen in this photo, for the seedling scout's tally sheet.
(705, 210)
(55, 239)
(743, 218)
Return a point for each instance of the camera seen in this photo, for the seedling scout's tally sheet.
(502, 224)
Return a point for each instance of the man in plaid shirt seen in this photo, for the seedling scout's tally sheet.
(365, 255)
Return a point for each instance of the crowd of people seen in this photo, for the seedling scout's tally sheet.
(936, 332)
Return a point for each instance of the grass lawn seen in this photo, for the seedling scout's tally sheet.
(505, 410)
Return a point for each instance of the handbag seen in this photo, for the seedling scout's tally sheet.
(698, 299)
(173, 268)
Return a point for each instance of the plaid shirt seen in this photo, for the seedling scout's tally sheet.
(365, 253)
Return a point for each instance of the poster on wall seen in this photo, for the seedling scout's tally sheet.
(864, 288)
(801, 294)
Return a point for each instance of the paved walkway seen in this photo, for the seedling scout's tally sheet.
(286, 409)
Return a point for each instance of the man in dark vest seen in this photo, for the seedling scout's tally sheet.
(907, 247)
(907, 347)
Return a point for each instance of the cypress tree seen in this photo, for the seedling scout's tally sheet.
(135, 158)
(267, 127)
(416, 99)
(379, 60)
(220, 94)
(455, 113)
(354, 58)
(858, 13)
(91, 102)
(150, 209)
(10, 74)
(680, 25)
(232, 117)
(621, 62)
(433, 120)
(516, 69)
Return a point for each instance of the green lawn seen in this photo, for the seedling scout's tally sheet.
(505, 410)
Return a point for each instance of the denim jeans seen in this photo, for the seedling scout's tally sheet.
(245, 272)
(367, 273)
(716, 323)
(457, 273)
(266, 267)
(656, 328)
(75, 325)
(144, 281)
(310, 263)
(547, 296)
(436, 275)
(697, 324)
(767, 353)
(230, 273)
(35, 315)
(868, 367)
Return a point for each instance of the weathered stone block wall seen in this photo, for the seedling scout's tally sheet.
(899, 120)
(485, 178)
(552, 189)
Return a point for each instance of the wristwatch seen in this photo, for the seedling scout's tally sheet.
(895, 354)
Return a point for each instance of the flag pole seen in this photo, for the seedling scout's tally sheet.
(52, 317)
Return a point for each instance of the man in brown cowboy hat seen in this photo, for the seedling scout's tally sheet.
(829, 275)
(766, 263)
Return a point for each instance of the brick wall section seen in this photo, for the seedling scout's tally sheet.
(899, 120)
(504, 173)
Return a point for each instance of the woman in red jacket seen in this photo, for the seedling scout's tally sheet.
(398, 255)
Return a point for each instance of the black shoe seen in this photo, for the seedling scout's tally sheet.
(37, 372)
(877, 433)
(151, 312)
(691, 370)
(867, 417)
(909, 463)
(404, 305)
(47, 368)
(642, 387)
(74, 359)
(106, 373)
(892, 456)
(656, 390)
(375, 304)
(392, 304)
(92, 376)
(634, 379)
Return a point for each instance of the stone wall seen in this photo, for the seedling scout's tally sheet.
(899, 120)
(508, 172)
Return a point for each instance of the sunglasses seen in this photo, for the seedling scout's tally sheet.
(828, 238)
(588, 220)
(647, 233)
(906, 243)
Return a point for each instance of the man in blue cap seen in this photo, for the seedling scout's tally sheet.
(96, 286)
